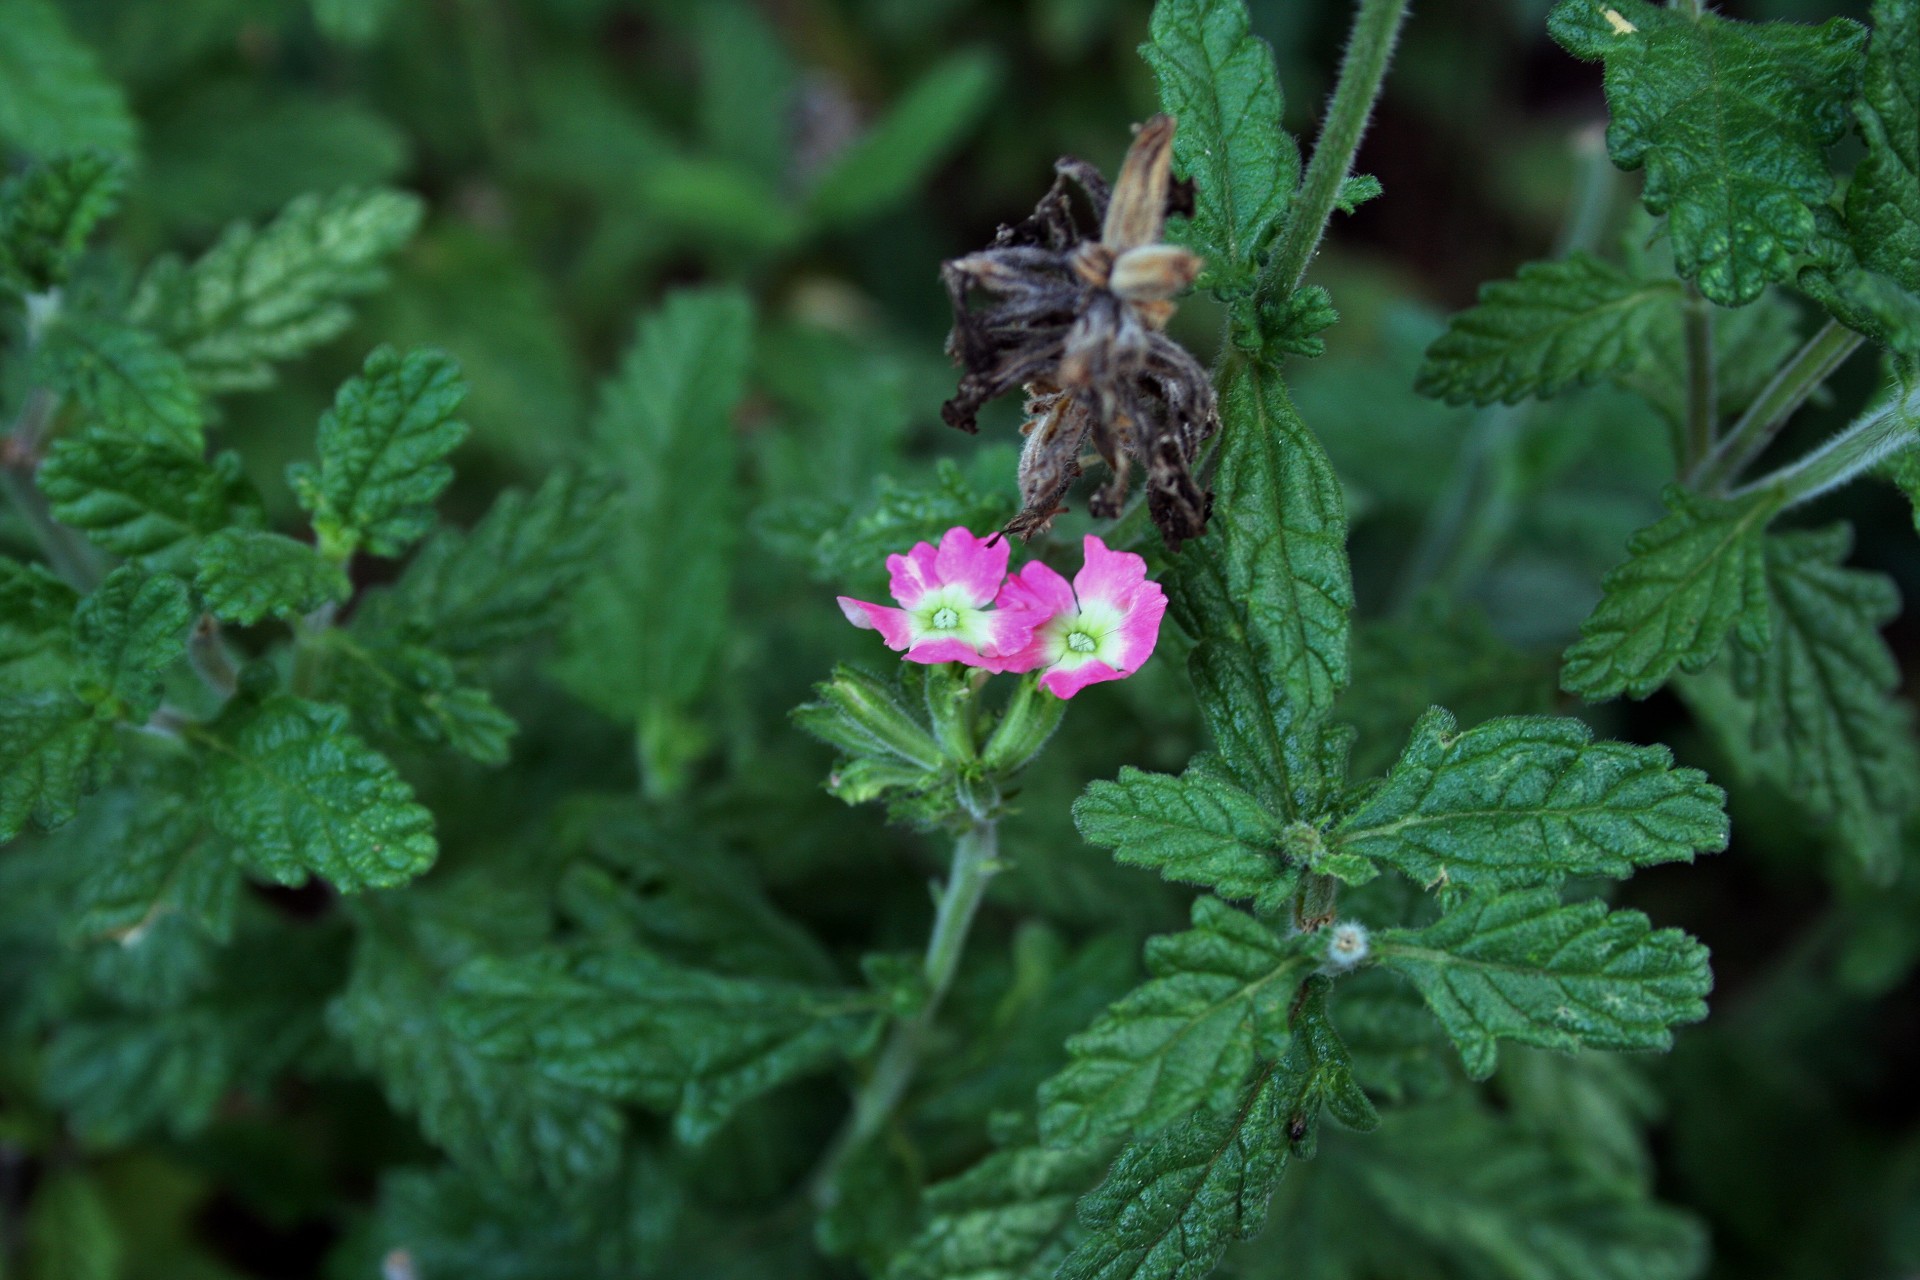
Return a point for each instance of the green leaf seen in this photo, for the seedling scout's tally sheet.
(1218, 80)
(47, 213)
(143, 857)
(1169, 1207)
(1267, 594)
(1817, 714)
(145, 502)
(1526, 967)
(1010, 1217)
(1528, 800)
(352, 21)
(748, 86)
(414, 692)
(631, 1026)
(130, 629)
(260, 296)
(506, 581)
(500, 1119)
(57, 99)
(1731, 120)
(51, 753)
(1184, 1039)
(1199, 828)
(299, 794)
(1883, 200)
(1868, 303)
(123, 379)
(896, 155)
(36, 613)
(246, 574)
(1689, 579)
(70, 1234)
(1558, 325)
(124, 1074)
(383, 447)
(650, 620)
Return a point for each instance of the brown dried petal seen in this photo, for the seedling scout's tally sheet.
(1153, 272)
(1139, 206)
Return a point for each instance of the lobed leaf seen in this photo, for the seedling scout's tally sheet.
(1883, 200)
(127, 631)
(126, 382)
(57, 98)
(244, 575)
(1009, 1217)
(414, 692)
(1526, 967)
(1689, 579)
(1528, 800)
(47, 213)
(52, 751)
(148, 503)
(299, 794)
(383, 447)
(1731, 120)
(1558, 325)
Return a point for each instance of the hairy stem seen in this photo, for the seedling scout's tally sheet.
(1703, 393)
(1874, 436)
(1756, 428)
(975, 860)
(1376, 26)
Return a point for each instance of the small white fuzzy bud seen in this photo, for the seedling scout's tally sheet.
(1347, 944)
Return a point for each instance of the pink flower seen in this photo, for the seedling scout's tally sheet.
(1102, 627)
(946, 597)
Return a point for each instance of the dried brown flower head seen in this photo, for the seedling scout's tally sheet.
(1077, 320)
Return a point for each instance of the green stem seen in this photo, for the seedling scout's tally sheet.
(975, 860)
(1703, 392)
(1755, 429)
(1376, 26)
(1875, 436)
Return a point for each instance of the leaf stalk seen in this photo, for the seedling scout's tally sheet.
(1756, 428)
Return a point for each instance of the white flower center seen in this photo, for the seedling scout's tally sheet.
(945, 619)
(1080, 642)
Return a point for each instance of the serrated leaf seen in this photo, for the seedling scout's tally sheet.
(142, 857)
(1010, 1217)
(383, 448)
(1818, 714)
(123, 379)
(36, 613)
(47, 213)
(127, 631)
(120, 1075)
(416, 693)
(1527, 800)
(505, 581)
(245, 574)
(632, 1026)
(57, 99)
(650, 618)
(1182, 1040)
(145, 502)
(896, 154)
(1688, 580)
(51, 753)
(1868, 303)
(1218, 80)
(1557, 325)
(1883, 200)
(299, 794)
(260, 296)
(502, 1120)
(1731, 121)
(1199, 828)
(1529, 968)
(1267, 594)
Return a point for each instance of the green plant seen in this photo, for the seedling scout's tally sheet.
(461, 887)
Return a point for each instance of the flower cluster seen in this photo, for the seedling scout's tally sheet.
(957, 604)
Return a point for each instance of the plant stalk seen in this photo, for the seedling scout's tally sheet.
(975, 861)
(1703, 392)
(1376, 26)
(1756, 428)
(1874, 436)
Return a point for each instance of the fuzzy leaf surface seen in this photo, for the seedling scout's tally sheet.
(634, 1027)
(383, 448)
(144, 502)
(127, 631)
(1199, 828)
(246, 574)
(47, 213)
(50, 755)
(1529, 800)
(1557, 325)
(1010, 1217)
(1218, 80)
(415, 692)
(264, 295)
(1182, 1040)
(1688, 580)
(1526, 967)
(300, 794)
(1883, 200)
(1731, 121)
(124, 379)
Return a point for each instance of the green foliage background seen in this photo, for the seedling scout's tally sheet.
(515, 384)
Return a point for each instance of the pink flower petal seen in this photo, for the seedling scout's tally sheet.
(1109, 577)
(1140, 629)
(894, 625)
(1065, 682)
(1039, 591)
(914, 574)
(947, 649)
(976, 565)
